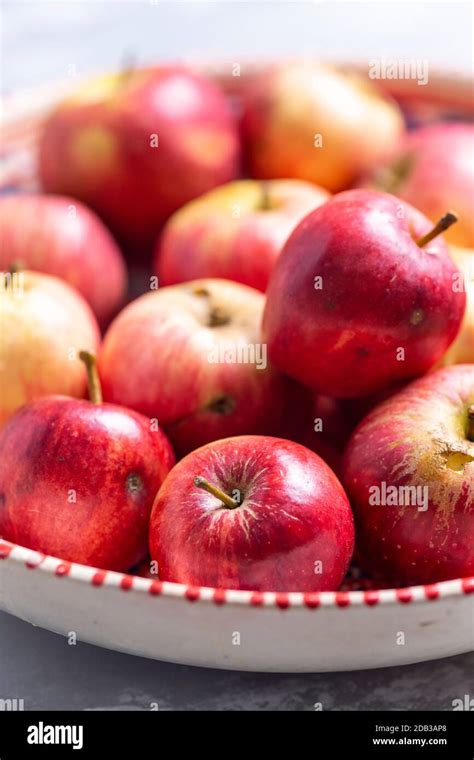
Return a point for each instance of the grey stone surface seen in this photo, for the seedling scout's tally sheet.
(41, 668)
(41, 41)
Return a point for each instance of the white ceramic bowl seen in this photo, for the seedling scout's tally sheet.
(238, 630)
(230, 629)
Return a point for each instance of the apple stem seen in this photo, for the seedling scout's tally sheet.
(470, 423)
(444, 224)
(95, 390)
(229, 502)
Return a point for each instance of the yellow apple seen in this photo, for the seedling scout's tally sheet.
(43, 324)
(462, 350)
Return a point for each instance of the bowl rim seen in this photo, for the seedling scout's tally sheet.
(93, 576)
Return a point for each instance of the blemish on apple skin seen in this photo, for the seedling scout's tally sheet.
(417, 316)
(134, 483)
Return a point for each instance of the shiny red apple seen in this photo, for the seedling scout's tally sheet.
(62, 237)
(78, 479)
(433, 169)
(409, 471)
(191, 356)
(236, 231)
(137, 145)
(252, 512)
(363, 296)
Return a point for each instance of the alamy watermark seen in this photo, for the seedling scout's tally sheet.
(239, 353)
(399, 496)
(399, 68)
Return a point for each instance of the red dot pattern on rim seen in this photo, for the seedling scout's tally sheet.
(219, 596)
(63, 569)
(282, 601)
(5, 550)
(311, 600)
(371, 598)
(156, 588)
(192, 593)
(404, 595)
(99, 577)
(342, 599)
(431, 592)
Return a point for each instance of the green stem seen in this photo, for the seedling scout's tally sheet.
(229, 502)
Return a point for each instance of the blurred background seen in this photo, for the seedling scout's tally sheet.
(44, 41)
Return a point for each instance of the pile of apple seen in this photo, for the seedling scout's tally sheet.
(297, 385)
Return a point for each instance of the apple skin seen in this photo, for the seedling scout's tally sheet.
(97, 146)
(155, 359)
(380, 293)
(234, 232)
(288, 105)
(433, 169)
(462, 350)
(44, 323)
(294, 513)
(57, 445)
(414, 439)
(62, 237)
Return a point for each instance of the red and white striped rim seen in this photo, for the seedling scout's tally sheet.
(59, 568)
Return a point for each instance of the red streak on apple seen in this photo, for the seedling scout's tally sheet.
(354, 305)
(291, 531)
(161, 357)
(418, 439)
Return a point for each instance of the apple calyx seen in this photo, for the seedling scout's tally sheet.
(470, 423)
(218, 317)
(444, 224)
(389, 179)
(93, 382)
(227, 500)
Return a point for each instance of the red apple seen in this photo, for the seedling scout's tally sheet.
(433, 169)
(138, 145)
(236, 231)
(78, 479)
(191, 356)
(409, 470)
(44, 323)
(362, 297)
(252, 512)
(61, 236)
(312, 122)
